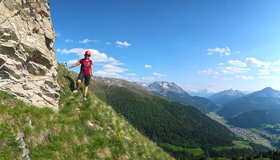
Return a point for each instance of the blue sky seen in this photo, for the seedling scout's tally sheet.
(198, 44)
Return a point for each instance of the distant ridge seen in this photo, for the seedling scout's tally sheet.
(176, 93)
(226, 96)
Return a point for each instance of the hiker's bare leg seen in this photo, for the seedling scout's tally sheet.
(85, 90)
(78, 83)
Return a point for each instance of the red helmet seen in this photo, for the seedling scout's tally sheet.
(88, 52)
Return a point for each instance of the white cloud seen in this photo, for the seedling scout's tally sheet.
(70, 62)
(159, 75)
(83, 41)
(110, 66)
(245, 77)
(275, 67)
(122, 44)
(257, 63)
(220, 51)
(77, 51)
(86, 41)
(148, 78)
(269, 77)
(69, 40)
(113, 68)
(58, 50)
(148, 66)
(234, 69)
(96, 55)
(237, 63)
(103, 73)
(209, 72)
(266, 70)
(235, 66)
(131, 74)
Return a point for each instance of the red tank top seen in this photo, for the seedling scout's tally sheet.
(85, 66)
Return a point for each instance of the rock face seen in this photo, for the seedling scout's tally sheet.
(28, 67)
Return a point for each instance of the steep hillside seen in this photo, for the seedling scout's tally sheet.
(256, 118)
(182, 130)
(205, 105)
(89, 130)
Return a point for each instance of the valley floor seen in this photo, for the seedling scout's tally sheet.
(251, 135)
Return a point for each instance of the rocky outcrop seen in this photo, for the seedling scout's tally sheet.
(28, 67)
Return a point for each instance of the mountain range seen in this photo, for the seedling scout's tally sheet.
(258, 111)
(241, 109)
(176, 93)
(201, 93)
(226, 96)
(170, 124)
(253, 110)
(266, 99)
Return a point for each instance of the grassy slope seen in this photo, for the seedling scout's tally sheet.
(78, 130)
(140, 108)
(237, 145)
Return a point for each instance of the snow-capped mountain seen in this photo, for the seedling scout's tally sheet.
(176, 93)
(162, 86)
(226, 96)
(201, 93)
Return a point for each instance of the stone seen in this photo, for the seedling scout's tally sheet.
(27, 60)
(124, 157)
(93, 125)
(104, 153)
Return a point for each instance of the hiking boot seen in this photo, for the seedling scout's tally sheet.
(75, 91)
(85, 98)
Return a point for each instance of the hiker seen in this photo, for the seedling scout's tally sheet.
(85, 73)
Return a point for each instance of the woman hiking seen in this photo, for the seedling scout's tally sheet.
(86, 72)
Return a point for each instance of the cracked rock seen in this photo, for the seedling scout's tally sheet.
(26, 46)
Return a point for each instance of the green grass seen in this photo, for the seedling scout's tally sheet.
(79, 130)
(8, 144)
(218, 159)
(192, 151)
(217, 118)
(237, 145)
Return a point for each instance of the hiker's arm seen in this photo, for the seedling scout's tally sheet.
(91, 72)
(74, 65)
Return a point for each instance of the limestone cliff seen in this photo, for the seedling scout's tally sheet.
(28, 67)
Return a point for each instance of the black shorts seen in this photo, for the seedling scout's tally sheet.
(83, 76)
